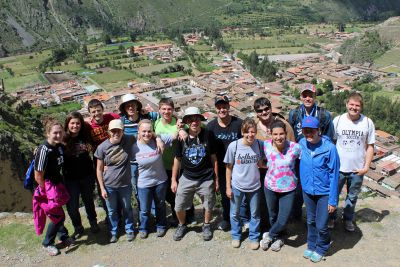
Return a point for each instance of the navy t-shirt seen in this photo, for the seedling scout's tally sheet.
(196, 156)
(224, 136)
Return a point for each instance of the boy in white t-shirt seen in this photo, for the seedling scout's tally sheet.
(355, 138)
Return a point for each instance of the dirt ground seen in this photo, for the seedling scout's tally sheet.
(374, 243)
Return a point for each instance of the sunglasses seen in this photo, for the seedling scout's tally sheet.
(266, 109)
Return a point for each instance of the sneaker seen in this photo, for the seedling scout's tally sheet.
(113, 239)
(52, 250)
(207, 234)
(254, 245)
(180, 232)
(331, 223)
(307, 253)
(235, 243)
(315, 257)
(349, 226)
(130, 236)
(161, 232)
(143, 235)
(223, 225)
(265, 241)
(78, 232)
(94, 227)
(276, 246)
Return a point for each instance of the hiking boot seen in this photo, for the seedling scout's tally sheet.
(315, 257)
(78, 232)
(276, 246)
(51, 250)
(130, 236)
(113, 239)
(307, 253)
(143, 235)
(349, 226)
(265, 241)
(254, 245)
(94, 227)
(180, 232)
(235, 243)
(331, 223)
(223, 225)
(207, 234)
(161, 232)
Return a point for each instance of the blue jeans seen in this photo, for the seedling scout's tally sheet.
(155, 194)
(354, 183)
(225, 201)
(83, 187)
(318, 235)
(54, 230)
(253, 198)
(123, 196)
(279, 209)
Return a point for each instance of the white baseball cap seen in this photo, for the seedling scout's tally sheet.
(192, 111)
(115, 124)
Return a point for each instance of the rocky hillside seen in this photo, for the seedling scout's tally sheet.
(31, 25)
(19, 134)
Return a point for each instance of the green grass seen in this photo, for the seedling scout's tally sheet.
(158, 67)
(391, 69)
(391, 95)
(282, 50)
(17, 236)
(18, 82)
(287, 41)
(172, 75)
(113, 76)
(391, 57)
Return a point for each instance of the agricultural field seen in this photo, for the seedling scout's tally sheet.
(158, 67)
(292, 43)
(113, 79)
(390, 59)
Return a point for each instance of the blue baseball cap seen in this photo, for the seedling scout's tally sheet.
(310, 122)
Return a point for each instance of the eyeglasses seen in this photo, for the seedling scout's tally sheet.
(191, 119)
(266, 109)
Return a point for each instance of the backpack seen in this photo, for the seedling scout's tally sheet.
(29, 181)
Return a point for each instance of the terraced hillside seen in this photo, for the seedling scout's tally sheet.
(32, 25)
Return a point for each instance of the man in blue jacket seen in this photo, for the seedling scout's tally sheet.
(319, 175)
(308, 108)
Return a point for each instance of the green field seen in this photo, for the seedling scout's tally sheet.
(150, 69)
(18, 82)
(287, 41)
(391, 57)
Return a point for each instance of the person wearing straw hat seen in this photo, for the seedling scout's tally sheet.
(196, 156)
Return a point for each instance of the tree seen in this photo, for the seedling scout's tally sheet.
(328, 85)
(85, 50)
(59, 55)
(314, 81)
(107, 39)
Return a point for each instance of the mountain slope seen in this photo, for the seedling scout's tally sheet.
(31, 25)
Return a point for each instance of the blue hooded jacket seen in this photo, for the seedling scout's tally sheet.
(319, 169)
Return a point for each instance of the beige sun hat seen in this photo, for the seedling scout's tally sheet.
(115, 124)
(127, 98)
(192, 111)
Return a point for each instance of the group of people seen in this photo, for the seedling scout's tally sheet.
(264, 169)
